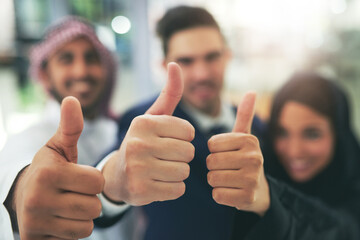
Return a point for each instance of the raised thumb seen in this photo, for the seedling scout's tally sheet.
(67, 135)
(171, 94)
(245, 113)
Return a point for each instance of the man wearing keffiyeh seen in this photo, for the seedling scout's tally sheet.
(69, 61)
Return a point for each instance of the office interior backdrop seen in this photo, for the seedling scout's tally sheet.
(270, 39)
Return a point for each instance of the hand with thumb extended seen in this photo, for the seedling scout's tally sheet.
(54, 197)
(235, 164)
(152, 162)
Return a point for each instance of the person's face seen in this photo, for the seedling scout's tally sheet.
(202, 56)
(304, 142)
(75, 70)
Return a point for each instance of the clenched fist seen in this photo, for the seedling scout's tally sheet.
(152, 162)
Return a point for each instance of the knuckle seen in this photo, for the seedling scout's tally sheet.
(257, 160)
(210, 161)
(211, 144)
(214, 161)
(249, 198)
(132, 169)
(136, 189)
(96, 208)
(185, 171)
(82, 231)
(217, 195)
(32, 202)
(253, 140)
(138, 121)
(211, 178)
(252, 182)
(98, 182)
(179, 190)
(134, 146)
(191, 152)
(143, 122)
(45, 174)
(190, 131)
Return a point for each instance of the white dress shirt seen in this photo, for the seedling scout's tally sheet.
(226, 117)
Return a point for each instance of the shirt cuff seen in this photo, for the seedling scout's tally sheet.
(109, 209)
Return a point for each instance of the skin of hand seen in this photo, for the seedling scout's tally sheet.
(152, 162)
(54, 197)
(235, 164)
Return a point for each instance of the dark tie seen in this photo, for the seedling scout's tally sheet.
(216, 129)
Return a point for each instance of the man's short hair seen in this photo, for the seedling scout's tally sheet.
(182, 18)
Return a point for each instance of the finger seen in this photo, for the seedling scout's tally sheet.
(232, 142)
(163, 126)
(80, 179)
(173, 150)
(234, 160)
(67, 229)
(78, 206)
(167, 171)
(171, 94)
(231, 179)
(71, 124)
(245, 113)
(164, 191)
(233, 197)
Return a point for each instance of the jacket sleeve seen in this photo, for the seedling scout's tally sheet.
(293, 215)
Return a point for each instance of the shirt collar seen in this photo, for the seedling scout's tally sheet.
(225, 118)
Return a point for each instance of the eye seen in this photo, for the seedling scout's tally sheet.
(312, 133)
(92, 57)
(281, 133)
(185, 61)
(65, 58)
(214, 56)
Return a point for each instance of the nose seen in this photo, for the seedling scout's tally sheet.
(295, 148)
(79, 69)
(201, 71)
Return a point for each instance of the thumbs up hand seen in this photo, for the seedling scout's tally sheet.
(54, 197)
(152, 162)
(235, 164)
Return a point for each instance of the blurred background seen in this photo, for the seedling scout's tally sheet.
(270, 39)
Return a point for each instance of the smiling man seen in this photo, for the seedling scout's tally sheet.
(192, 38)
(76, 70)
(69, 61)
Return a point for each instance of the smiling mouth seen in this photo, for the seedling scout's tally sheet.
(81, 87)
(298, 166)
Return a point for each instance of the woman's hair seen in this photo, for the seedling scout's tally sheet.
(309, 89)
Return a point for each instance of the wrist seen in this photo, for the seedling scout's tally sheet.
(111, 187)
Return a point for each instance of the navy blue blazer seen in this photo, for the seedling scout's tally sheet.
(195, 215)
